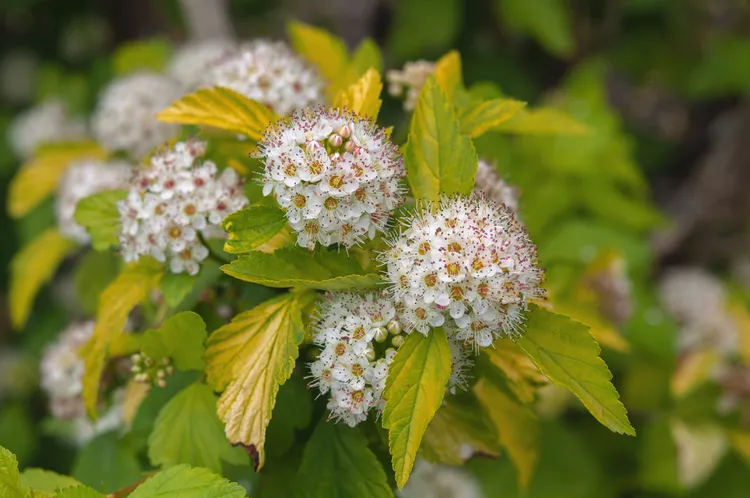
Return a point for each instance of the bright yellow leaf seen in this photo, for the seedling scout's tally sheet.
(129, 289)
(486, 115)
(448, 74)
(362, 97)
(525, 378)
(221, 108)
(38, 178)
(31, 267)
(135, 393)
(248, 360)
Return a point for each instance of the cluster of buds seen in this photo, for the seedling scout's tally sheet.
(149, 371)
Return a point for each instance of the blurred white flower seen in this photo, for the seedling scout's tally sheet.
(410, 79)
(125, 117)
(489, 183)
(269, 72)
(194, 60)
(82, 179)
(336, 174)
(429, 480)
(46, 123)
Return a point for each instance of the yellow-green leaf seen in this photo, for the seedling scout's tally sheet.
(523, 376)
(251, 227)
(362, 97)
(517, 426)
(366, 56)
(221, 108)
(543, 121)
(45, 483)
(139, 55)
(438, 159)
(10, 483)
(129, 288)
(740, 440)
(38, 178)
(486, 115)
(413, 392)
(100, 216)
(448, 74)
(694, 370)
(566, 352)
(31, 267)
(248, 360)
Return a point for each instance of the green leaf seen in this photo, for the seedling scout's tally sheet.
(32, 267)
(180, 338)
(249, 228)
(176, 286)
(488, 114)
(438, 159)
(10, 484)
(248, 360)
(188, 430)
(104, 463)
(298, 267)
(221, 108)
(18, 429)
(79, 492)
(543, 121)
(45, 483)
(325, 51)
(413, 392)
(566, 352)
(546, 20)
(92, 275)
(149, 55)
(421, 26)
(183, 481)
(129, 289)
(98, 213)
(366, 56)
(338, 463)
(292, 412)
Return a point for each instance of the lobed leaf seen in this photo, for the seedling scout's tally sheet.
(31, 267)
(566, 352)
(181, 338)
(438, 159)
(251, 227)
(183, 481)
(362, 97)
(221, 108)
(413, 392)
(98, 213)
(10, 483)
(488, 114)
(248, 360)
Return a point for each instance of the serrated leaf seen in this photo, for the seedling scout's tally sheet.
(298, 267)
(566, 352)
(486, 115)
(130, 288)
(10, 484)
(33, 266)
(221, 108)
(181, 338)
(251, 227)
(367, 55)
(187, 430)
(362, 97)
(45, 483)
(517, 426)
(38, 178)
(449, 76)
(413, 392)
(98, 213)
(326, 52)
(248, 360)
(338, 463)
(543, 121)
(183, 481)
(79, 492)
(438, 159)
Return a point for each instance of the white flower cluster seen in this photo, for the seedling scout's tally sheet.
(125, 117)
(192, 61)
(469, 265)
(336, 174)
(82, 179)
(429, 480)
(269, 72)
(174, 199)
(489, 183)
(45, 123)
(411, 78)
(62, 371)
(697, 300)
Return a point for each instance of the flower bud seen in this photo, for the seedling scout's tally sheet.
(161, 374)
(394, 327)
(350, 146)
(170, 370)
(397, 341)
(381, 334)
(369, 353)
(345, 132)
(166, 361)
(136, 358)
(161, 383)
(335, 141)
(148, 361)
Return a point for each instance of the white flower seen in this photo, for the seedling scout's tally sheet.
(125, 117)
(46, 123)
(461, 363)
(489, 183)
(336, 174)
(192, 61)
(172, 201)
(62, 371)
(82, 179)
(469, 260)
(430, 480)
(411, 78)
(269, 72)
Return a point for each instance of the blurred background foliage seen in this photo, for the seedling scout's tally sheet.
(659, 180)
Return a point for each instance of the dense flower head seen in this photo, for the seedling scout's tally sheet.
(62, 371)
(190, 63)
(269, 72)
(46, 123)
(336, 174)
(489, 183)
(172, 200)
(410, 79)
(84, 178)
(466, 263)
(125, 117)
